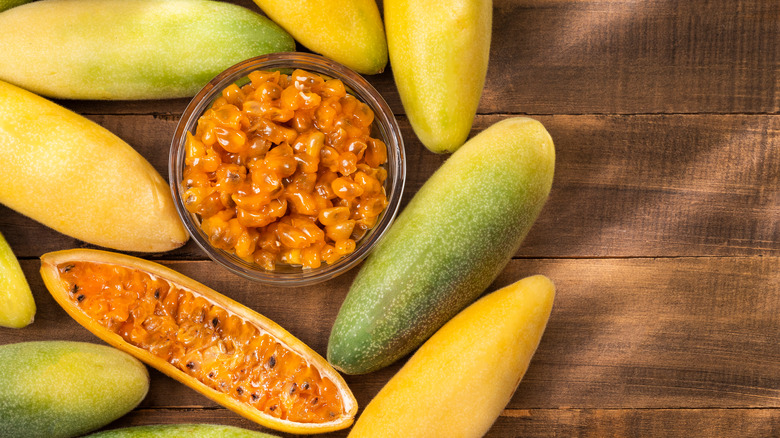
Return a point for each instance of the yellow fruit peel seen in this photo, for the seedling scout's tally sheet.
(76, 177)
(17, 306)
(439, 51)
(53, 282)
(461, 379)
(349, 32)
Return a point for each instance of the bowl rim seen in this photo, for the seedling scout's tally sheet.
(385, 124)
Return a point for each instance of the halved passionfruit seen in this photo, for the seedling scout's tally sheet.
(220, 348)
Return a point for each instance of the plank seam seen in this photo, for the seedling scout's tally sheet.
(167, 116)
(768, 256)
(516, 412)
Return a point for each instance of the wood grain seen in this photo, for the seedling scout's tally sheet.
(549, 423)
(624, 333)
(625, 186)
(691, 334)
(662, 231)
(606, 56)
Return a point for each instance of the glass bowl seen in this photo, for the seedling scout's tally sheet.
(384, 128)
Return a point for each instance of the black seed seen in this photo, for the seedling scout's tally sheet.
(255, 397)
(68, 268)
(211, 374)
(315, 400)
(332, 414)
(240, 390)
(305, 385)
(215, 321)
(190, 365)
(272, 408)
(294, 387)
(75, 288)
(272, 362)
(157, 294)
(80, 298)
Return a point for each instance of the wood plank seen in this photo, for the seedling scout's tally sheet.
(665, 333)
(605, 56)
(657, 333)
(568, 56)
(625, 186)
(662, 232)
(638, 423)
(545, 423)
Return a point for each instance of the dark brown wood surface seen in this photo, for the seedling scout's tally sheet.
(662, 231)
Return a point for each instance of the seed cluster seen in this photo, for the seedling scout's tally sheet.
(216, 347)
(284, 170)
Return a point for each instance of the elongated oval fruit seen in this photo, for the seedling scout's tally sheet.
(73, 175)
(129, 49)
(439, 51)
(349, 32)
(60, 389)
(181, 431)
(470, 368)
(205, 340)
(446, 247)
(17, 306)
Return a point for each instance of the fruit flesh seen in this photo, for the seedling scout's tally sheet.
(17, 306)
(446, 247)
(76, 177)
(217, 347)
(129, 49)
(61, 389)
(283, 170)
(439, 52)
(59, 291)
(349, 32)
(475, 362)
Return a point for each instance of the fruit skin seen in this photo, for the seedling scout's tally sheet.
(8, 4)
(76, 177)
(460, 380)
(349, 32)
(17, 306)
(49, 273)
(439, 52)
(181, 431)
(60, 389)
(446, 247)
(129, 49)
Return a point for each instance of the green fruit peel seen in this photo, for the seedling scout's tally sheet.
(60, 389)
(129, 49)
(448, 245)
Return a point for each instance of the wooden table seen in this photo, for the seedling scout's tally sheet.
(662, 231)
